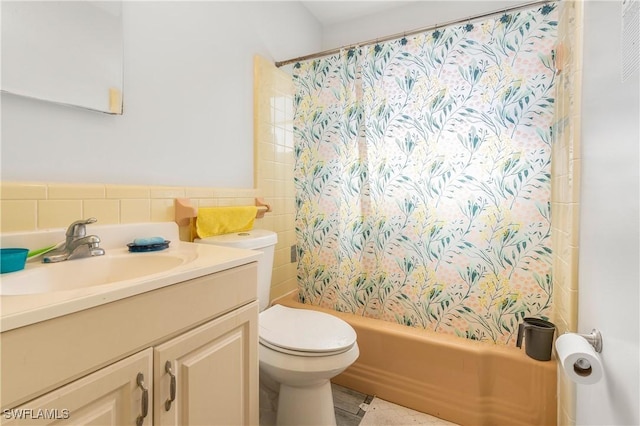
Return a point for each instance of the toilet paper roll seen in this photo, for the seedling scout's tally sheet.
(578, 359)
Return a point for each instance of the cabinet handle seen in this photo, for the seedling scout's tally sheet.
(145, 400)
(172, 386)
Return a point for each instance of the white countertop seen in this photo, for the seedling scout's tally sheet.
(201, 259)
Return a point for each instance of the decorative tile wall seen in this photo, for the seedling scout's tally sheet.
(565, 187)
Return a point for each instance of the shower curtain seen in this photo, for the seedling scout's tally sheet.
(422, 177)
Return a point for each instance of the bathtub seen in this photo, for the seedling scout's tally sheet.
(456, 379)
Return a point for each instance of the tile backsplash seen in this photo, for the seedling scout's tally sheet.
(29, 206)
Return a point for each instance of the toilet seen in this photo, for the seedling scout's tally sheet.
(299, 350)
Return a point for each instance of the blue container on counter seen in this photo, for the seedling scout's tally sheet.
(12, 259)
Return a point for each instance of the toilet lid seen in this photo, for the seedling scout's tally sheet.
(304, 332)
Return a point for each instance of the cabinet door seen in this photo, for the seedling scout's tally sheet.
(111, 396)
(214, 369)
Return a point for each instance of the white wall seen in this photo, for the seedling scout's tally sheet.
(609, 229)
(188, 100)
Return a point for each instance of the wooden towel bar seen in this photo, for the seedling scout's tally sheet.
(184, 211)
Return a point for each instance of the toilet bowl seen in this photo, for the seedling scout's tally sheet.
(299, 350)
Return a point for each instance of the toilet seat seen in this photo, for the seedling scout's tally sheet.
(304, 332)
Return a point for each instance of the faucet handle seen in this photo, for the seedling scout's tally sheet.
(77, 229)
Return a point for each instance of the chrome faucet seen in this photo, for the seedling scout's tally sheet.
(77, 243)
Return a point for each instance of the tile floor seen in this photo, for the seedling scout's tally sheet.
(357, 409)
(348, 405)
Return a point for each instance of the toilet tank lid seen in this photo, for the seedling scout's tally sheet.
(253, 239)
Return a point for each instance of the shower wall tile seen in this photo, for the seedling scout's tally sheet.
(576, 134)
(267, 223)
(283, 288)
(566, 192)
(576, 166)
(566, 394)
(565, 184)
(573, 270)
(289, 237)
(281, 257)
(273, 129)
(567, 303)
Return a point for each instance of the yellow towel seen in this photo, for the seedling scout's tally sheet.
(224, 220)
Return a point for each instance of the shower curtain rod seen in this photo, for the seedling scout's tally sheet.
(412, 32)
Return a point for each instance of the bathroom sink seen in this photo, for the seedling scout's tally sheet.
(89, 272)
(45, 291)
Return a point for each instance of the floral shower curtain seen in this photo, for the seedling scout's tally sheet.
(423, 177)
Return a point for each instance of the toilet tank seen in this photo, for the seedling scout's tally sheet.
(256, 239)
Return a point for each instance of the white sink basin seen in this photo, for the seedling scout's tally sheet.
(89, 272)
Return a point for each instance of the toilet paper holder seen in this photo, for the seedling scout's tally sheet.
(594, 339)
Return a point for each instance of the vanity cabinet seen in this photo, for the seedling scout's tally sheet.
(110, 396)
(200, 376)
(192, 346)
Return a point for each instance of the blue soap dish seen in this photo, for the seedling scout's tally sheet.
(141, 248)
